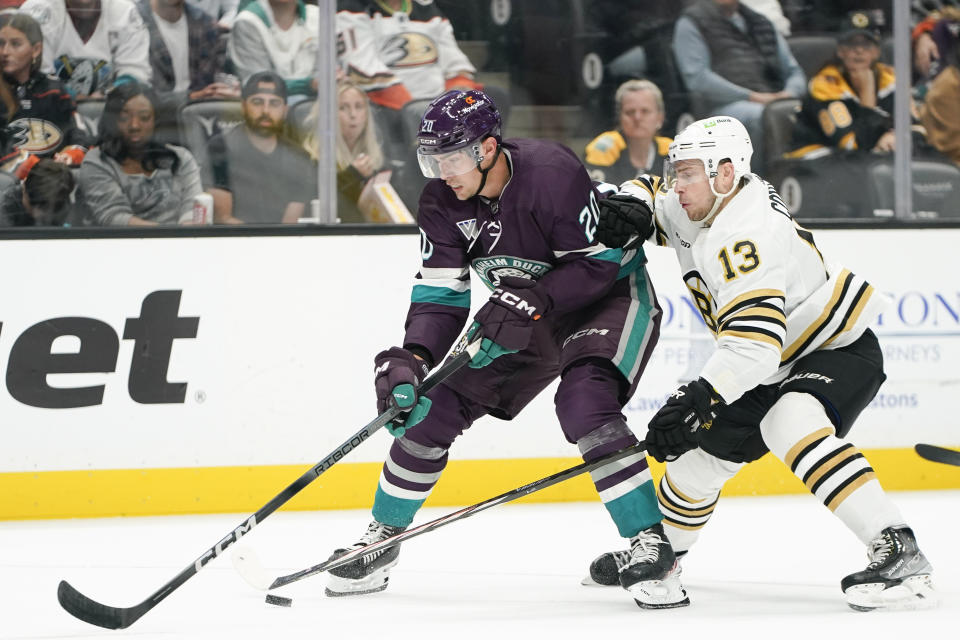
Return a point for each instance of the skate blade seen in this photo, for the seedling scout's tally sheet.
(376, 581)
(912, 594)
(330, 593)
(660, 594)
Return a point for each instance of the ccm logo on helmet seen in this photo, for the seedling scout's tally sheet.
(516, 302)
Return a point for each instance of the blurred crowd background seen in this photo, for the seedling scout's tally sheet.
(187, 112)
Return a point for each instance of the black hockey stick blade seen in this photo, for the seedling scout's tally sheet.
(938, 454)
(466, 512)
(101, 615)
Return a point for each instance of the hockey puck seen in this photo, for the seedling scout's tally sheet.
(280, 601)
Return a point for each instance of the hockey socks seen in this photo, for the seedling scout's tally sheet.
(798, 432)
(409, 474)
(625, 486)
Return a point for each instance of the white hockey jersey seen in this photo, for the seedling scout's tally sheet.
(119, 46)
(379, 49)
(760, 283)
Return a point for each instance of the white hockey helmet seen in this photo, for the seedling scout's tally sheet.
(713, 140)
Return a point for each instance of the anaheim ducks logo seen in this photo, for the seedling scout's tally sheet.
(35, 135)
(492, 268)
(409, 50)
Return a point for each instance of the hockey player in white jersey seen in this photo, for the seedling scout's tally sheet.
(795, 362)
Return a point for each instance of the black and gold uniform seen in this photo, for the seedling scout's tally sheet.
(608, 160)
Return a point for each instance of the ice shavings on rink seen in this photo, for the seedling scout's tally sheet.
(768, 566)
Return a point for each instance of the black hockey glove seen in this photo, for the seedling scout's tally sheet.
(623, 218)
(398, 374)
(506, 320)
(676, 428)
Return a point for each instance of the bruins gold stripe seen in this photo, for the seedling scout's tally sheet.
(848, 141)
(829, 464)
(668, 502)
(776, 314)
(807, 236)
(824, 317)
(661, 234)
(853, 486)
(640, 182)
(752, 335)
(802, 151)
(758, 294)
(690, 513)
(853, 315)
(666, 478)
(795, 450)
(681, 525)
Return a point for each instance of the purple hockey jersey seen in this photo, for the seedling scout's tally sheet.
(541, 227)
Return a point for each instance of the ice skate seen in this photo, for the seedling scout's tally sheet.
(605, 569)
(898, 576)
(368, 573)
(652, 575)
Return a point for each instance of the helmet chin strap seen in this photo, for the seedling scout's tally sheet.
(484, 172)
(718, 201)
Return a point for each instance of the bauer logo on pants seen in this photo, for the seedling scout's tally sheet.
(34, 357)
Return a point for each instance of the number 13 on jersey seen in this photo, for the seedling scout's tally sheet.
(745, 259)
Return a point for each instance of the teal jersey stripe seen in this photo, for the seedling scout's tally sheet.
(636, 262)
(616, 256)
(396, 512)
(609, 255)
(440, 295)
(635, 511)
(640, 326)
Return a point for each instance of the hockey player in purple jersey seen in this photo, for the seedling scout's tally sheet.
(522, 214)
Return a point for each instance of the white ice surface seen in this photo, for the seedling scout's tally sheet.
(764, 567)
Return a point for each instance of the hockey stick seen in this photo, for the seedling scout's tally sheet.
(82, 607)
(938, 454)
(255, 571)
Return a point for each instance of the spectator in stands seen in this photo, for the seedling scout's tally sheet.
(223, 12)
(187, 56)
(940, 113)
(403, 54)
(186, 51)
(734, 62)
(850, 104)
(278, 36)
(359, 154)
(43, 199)
(41, 117)
(130, 178)
(634, 147)
(256, 175)
(823, 16)
(929, 43)
(92, 44)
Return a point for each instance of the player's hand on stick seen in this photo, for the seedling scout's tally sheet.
(676, 428)
(623, 218)
(398, 377)
(506, 320)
